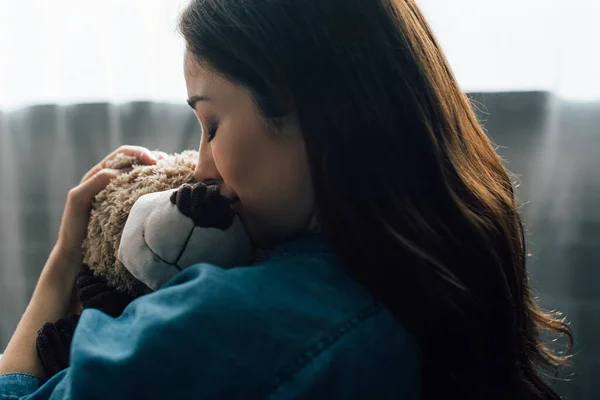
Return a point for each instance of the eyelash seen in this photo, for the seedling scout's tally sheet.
(211, 129)
(211, 133)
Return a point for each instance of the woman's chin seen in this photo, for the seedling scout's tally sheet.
(262, 236)
(255, 239)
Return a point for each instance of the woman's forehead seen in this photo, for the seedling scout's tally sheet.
(203, 82)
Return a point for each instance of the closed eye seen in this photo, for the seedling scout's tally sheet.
(211, 128)
(211, 133)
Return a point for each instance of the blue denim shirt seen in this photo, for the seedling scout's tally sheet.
(292, 326)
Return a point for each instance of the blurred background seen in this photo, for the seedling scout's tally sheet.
(78, 78)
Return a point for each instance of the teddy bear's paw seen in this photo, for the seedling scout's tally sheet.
(204, 205)
(94, 292)
(53, 344)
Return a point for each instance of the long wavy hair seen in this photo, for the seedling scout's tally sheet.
(408, 187)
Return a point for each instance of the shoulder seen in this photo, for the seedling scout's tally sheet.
(300, 279)
(255, 331)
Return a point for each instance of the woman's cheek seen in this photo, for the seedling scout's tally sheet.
(234, 166)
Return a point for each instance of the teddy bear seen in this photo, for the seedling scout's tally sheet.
(146, 226)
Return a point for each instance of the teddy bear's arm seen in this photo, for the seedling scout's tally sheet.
(54, 339)
(53, 344)
(94, 292)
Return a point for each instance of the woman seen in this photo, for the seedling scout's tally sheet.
(399, 263)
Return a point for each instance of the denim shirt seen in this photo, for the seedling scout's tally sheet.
(292, 326)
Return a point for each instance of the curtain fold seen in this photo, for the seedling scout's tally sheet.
(44, 151)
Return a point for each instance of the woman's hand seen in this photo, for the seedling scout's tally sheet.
(73, 229)
(52, 297)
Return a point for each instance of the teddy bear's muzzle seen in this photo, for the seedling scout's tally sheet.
(158, 241)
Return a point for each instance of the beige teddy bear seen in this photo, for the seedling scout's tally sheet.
(146, 226)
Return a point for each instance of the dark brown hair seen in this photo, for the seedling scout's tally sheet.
(408, 187)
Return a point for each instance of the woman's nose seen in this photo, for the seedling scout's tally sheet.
(206, 170)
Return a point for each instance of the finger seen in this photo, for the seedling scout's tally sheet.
(82, 196)
(97, 168)
(144, 155)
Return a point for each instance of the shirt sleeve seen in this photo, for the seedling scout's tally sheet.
(245, 332)
(16, 386)
(154, 350)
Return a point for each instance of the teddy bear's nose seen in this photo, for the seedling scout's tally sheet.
(210, 182)
(233, 199)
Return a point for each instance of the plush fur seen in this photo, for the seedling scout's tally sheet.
(112, 206)
(104, 282)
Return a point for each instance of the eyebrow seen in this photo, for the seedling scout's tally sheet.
(195, 99)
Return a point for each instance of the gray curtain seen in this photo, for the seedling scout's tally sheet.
(552, 145)
(44, 151)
